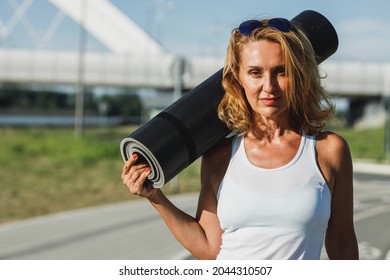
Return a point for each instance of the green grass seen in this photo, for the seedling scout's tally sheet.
(46, 170)
(49, 170)
(366, 143)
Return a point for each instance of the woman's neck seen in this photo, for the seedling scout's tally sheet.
(270, 130)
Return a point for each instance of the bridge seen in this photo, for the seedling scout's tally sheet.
(132, 58)
(135, 59)
(103, 68)
(158, 71)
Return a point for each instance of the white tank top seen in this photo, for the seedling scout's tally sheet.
(279, 213)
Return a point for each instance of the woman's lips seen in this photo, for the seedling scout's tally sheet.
(269, 101)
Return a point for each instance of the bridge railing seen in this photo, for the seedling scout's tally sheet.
(157, 71)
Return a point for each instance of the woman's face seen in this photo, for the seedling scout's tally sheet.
(262, 75)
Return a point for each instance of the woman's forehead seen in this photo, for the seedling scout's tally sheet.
(262, 52)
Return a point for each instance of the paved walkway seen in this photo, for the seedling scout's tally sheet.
(129, 230)
(371, 168)
(117, 231)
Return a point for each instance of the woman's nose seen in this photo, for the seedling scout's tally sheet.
(269, 83)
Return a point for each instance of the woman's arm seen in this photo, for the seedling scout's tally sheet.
(336, 164)
(200, 235)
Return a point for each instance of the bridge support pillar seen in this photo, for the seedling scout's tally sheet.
(358, 109)
(387, 127)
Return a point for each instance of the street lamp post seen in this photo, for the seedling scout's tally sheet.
(79, 100)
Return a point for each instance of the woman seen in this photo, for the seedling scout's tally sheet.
(281, 185)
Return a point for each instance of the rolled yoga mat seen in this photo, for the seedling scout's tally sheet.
(183, 132)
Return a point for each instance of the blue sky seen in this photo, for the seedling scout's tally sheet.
(203, 26)
(193, 27)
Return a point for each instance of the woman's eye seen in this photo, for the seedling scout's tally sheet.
(256, 73)
(281, 71)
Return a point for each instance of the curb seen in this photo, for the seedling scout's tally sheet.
(387, 257)
(371, 167)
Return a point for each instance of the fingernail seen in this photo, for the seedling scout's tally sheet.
(147, 169)
(135, 156)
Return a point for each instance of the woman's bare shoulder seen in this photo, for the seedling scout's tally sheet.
(215, 162)
(330, 141)
(220, 150)
(333, 149)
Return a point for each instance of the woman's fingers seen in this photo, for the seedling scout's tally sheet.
(135, 175)
(136, 184)
(129, 163)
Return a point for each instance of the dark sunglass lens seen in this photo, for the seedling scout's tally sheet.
(280, 24)
(247, 27)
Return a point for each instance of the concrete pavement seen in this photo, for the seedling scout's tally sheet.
(371, 168)
(128, 230)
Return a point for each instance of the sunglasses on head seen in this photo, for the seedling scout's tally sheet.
(280, 24)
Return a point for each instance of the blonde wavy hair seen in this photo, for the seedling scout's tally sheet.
(309, 105)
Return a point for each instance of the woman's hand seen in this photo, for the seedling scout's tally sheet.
(134, 177)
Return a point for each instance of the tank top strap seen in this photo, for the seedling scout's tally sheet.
(311, 141)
